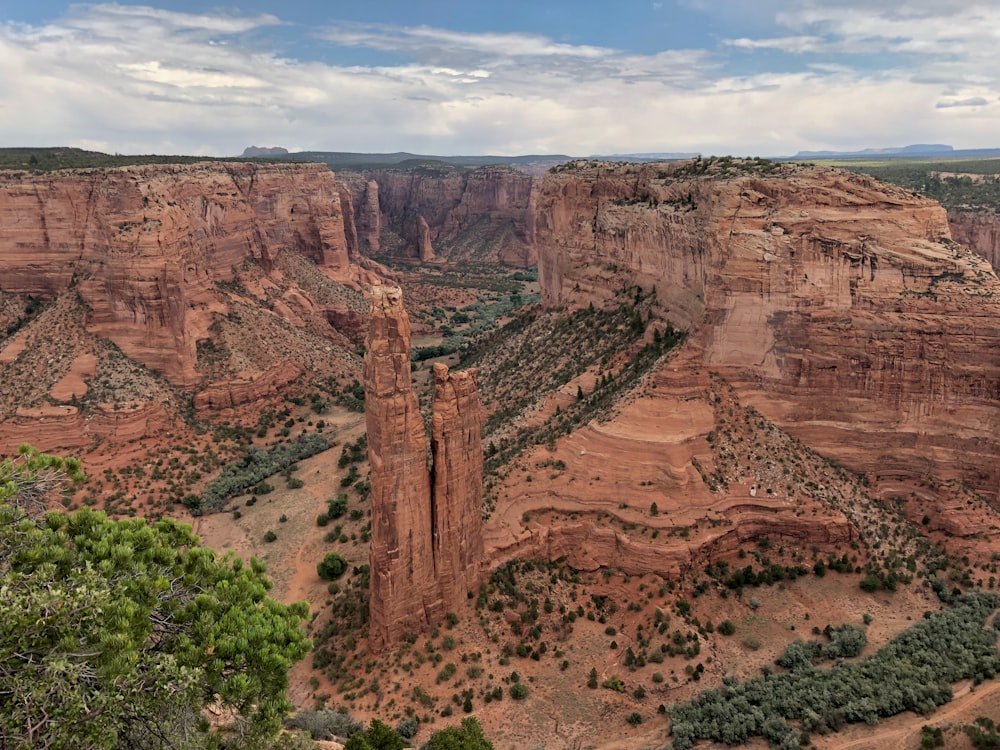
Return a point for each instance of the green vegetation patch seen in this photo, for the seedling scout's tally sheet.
(240, 476)
(912, 673)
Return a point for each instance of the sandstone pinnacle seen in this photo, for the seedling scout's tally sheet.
(427, 540)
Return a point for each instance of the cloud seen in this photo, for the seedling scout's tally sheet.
(428, 42)
(138, 80)
(975, 101)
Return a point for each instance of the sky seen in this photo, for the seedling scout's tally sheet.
(576, 77)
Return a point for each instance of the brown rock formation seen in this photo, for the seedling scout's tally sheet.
(243, 391)
(978, 229)
(350, 229)
(419, 534)
(147, 244)
(369, 217)
(839, 307)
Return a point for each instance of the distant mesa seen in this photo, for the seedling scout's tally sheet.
(265, 151)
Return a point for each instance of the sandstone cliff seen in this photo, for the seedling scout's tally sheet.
(426, 534)
(838, 306)
(145, 246)
(485, 214)
(978, 229)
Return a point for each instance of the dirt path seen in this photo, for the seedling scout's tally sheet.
(903, 731)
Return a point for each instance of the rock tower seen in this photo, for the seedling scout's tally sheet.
(427, 543)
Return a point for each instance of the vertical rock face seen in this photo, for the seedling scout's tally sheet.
(350, 228)
(979, 229)
(456, 438)
(404, 596)
(426, 541)
(370, 217)
(486, 213)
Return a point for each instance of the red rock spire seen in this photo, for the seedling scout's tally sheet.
(427, 540)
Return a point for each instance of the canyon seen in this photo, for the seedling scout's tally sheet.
(833, 389)
(145, 247)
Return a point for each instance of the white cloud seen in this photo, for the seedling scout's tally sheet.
(132, 79)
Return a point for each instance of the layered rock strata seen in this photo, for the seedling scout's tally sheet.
(146, 245)
(838, 306)
(426, 524)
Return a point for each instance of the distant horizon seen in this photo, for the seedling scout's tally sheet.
(870, 151)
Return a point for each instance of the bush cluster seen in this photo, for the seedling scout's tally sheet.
(913, 673)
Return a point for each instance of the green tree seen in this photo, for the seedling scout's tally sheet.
(331, 567)
(467, 737)
(378, 736)
(118, 633)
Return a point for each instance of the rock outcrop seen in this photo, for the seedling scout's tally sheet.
(146, 245)
(245, 390)
(369, 217)
(485, 214)
(426, 532)
(838, 306)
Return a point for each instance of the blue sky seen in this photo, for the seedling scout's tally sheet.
(748, 77)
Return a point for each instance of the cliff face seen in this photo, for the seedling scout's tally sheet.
(979, 230)
(485, 214)
(146, 245)
(838, 306)
(426, 548)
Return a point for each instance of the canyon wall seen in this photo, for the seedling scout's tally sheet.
(146, 245)
(978, 229)
(838, 306)
(426, 546)
(486, 214)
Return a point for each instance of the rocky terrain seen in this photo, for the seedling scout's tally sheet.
(977, 229)
(748, 389)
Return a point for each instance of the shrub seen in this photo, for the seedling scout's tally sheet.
(518, 691)
(332, 566)
(324, 724)
(845, 641)
(634, 718)
(726, 627)
(407, 728)
(614, 683)
(270, 536)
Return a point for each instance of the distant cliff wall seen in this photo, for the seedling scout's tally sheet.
(486, 214)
